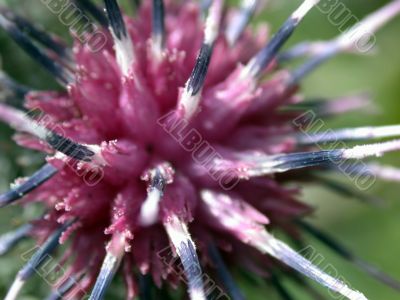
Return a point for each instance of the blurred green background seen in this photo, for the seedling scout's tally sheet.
(373, 233)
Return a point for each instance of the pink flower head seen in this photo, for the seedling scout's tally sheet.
(170, 148)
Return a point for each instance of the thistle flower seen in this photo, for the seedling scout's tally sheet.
(165, 151)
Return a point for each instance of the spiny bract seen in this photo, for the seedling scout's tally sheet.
(167, 143)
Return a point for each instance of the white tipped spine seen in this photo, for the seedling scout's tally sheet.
(377, 150)
(179, 234)
(125, 53)
(257, 164)
(20, 121)
(351, 134)
(268, 244)
(237, 25)
(177, 230)
(255, 66)
(384, 172)
(212, 23)
(15, 289)
(123, 44)
(303, 9)
(370, 25)
(112, 261)
(150, 208)
(157, 46)
(188, 101)
(159, 177)
(252, 232)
